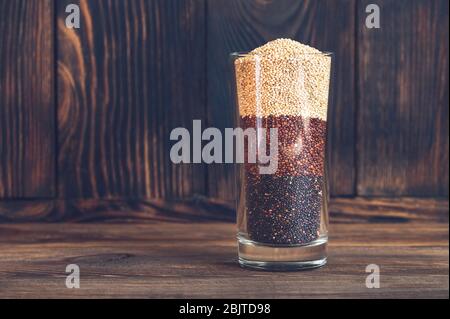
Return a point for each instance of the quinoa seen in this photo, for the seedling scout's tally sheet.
(283, 77)
(285, 85)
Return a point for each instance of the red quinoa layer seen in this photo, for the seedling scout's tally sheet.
(301, 144)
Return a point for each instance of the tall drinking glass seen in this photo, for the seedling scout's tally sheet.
(282, 205)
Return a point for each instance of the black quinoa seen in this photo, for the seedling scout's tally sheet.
(283, 210)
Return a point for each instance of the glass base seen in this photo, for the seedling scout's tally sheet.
(282, 258)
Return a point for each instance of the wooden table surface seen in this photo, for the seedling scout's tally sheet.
(198, 260)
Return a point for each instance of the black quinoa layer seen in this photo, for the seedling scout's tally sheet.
(283, 210)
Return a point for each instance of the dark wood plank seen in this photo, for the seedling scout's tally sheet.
(197, 209)
(403, 100)
(342, 210)
(242, 26)
(389, 210)
(27, 110)
(199, 260)
(13, 211)
(131, 73)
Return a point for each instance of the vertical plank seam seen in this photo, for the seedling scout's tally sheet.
(205, 92)
(356, 101)
(55, 99)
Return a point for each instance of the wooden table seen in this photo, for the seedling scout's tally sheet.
(198, 260)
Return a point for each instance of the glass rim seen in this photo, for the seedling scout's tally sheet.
(241, 54)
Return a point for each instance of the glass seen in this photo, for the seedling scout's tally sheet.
(282, 216)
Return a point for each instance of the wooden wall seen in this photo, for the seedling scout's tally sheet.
(85, 114)
(131, 73)
(402, 114)
(27, 96)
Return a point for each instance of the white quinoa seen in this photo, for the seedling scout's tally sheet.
(283, 77)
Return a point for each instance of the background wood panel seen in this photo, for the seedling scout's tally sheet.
(137, 69)
(242, 26)
(131, 73)
(402, 142)
(342, 210)
(27, 111)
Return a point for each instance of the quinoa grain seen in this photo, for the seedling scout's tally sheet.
(284, 84)
(283, 77)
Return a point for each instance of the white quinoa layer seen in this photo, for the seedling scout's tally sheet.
(283, 77)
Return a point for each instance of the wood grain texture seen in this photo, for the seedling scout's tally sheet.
(242, 26)
(27, 110)
(403, 135)
(198, 209)
(342, 210)
(388, 210)
(127, 77)
(199, 261)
